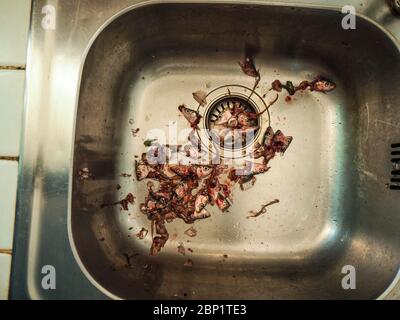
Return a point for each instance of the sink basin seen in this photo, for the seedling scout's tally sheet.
(132, 67)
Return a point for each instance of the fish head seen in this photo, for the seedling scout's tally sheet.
(190, 115)
(323, 85)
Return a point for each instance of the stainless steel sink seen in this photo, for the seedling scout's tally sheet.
(110, 67)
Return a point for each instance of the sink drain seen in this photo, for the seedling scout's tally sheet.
(221, 111)
(225, 129)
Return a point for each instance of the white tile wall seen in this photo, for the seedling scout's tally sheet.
(12, 101)
(5, 266)
(8, 189)
(14, 25)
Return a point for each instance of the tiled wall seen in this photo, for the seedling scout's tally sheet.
(14, 25)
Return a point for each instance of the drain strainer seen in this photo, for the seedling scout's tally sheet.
(226, 130)
(222, 119)
(226, 106)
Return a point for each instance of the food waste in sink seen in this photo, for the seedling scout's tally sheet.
(188, 187)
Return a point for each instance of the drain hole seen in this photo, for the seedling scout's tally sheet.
(395, 180)
(229, 118)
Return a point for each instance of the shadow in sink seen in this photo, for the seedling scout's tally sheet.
(335, 208)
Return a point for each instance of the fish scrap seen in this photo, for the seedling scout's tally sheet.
(188, 191)
(319, 84)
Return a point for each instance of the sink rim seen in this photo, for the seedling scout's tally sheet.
(25, 159)
(99, 31)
